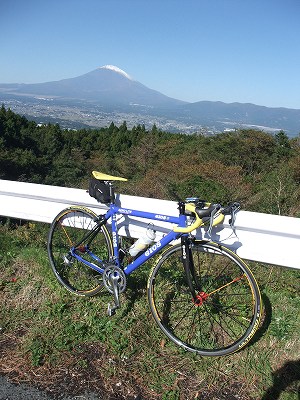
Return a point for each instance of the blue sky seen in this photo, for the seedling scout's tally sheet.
(221, 50)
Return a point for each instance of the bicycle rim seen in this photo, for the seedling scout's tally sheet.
(71, 227)
(222, 313)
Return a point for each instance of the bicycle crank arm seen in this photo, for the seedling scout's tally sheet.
(115, 282)
(111, 310)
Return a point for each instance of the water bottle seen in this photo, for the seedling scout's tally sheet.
(143, 242)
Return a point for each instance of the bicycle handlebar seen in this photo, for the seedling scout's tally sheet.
(199, 214)
(214, 213)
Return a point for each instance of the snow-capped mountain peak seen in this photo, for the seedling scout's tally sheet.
(116, 69)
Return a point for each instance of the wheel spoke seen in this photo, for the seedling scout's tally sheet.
(224, 286)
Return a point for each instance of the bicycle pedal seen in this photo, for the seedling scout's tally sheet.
(111, 310)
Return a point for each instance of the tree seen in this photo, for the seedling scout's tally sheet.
(283, 146)
(279, 193)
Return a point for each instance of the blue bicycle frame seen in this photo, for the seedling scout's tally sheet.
(150, 252)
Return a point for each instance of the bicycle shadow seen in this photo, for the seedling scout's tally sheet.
(222, 235)
(283, 378)
(267, 319)
(135, 290)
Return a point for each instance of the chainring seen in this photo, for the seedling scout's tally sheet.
(112, 270)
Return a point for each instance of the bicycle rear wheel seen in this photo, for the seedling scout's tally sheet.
(222, 312)
(71, 230)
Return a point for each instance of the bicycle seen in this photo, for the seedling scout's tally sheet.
(202, 296)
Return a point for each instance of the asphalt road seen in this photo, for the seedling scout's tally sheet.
(9, 391)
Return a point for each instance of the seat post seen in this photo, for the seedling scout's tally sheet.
(111, 192)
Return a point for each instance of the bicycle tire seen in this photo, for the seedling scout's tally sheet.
(70, 226)
(222, 314)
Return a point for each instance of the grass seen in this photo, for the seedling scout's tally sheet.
(67, 344)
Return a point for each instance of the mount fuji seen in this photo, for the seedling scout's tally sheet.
(105, 85)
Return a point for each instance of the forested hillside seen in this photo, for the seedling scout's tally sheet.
(258, 169)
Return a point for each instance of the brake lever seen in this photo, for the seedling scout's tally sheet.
(232, 210)
(211, 220)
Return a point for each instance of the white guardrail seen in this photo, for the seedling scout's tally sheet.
(265, 238)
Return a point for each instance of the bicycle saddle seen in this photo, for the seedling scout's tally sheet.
(104, 177)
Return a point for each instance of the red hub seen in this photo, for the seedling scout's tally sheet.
(200, 298)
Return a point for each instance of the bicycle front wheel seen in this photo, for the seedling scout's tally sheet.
(70, 234)
(212, 309)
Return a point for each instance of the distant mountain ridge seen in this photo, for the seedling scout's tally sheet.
(113, 90)
(235, 115)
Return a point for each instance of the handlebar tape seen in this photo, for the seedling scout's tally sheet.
(202, 213)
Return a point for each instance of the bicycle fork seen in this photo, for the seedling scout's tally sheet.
(188, 263)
